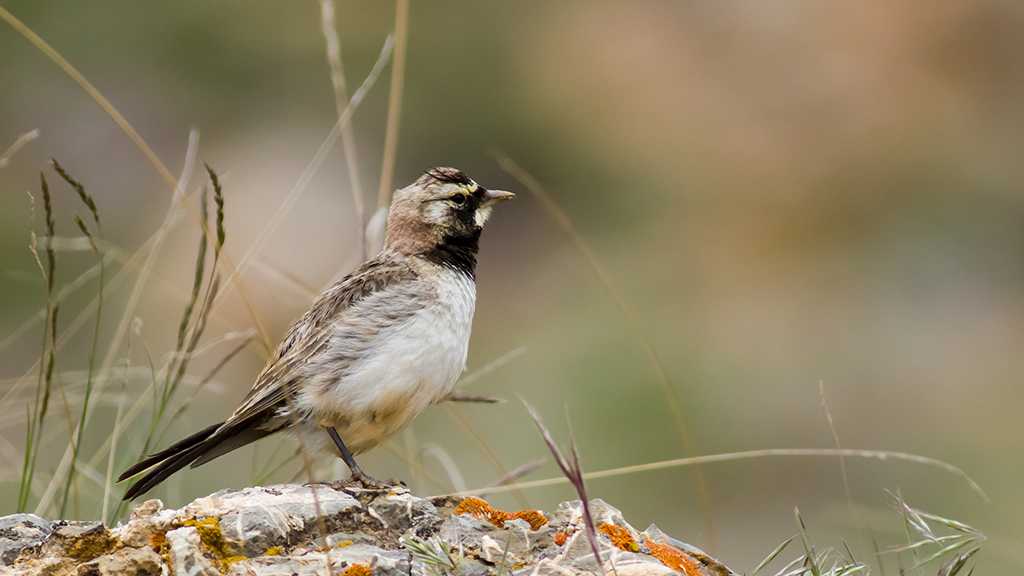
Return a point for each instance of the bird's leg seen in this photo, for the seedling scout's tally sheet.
(358, 476)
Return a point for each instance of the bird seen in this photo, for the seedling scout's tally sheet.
(375, 348)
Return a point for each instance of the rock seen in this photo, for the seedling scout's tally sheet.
(79, 540)
(20, 531)
(186, 554)
(125, 562)
(305, 530)
(148, 521)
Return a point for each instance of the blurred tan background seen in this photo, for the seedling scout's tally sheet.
(786, 192)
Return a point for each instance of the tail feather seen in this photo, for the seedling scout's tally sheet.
(161, 472)
(173, 450)
(198, 449)
(167, 462)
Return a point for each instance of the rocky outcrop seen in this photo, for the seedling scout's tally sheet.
(304, 530)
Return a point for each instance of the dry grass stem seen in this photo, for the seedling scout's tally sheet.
(573, 474)
(456, 482)
(513, 476)
(876, 454)
(387, 171)
(842, 467)
(474, 399)
(25, 138)
(348, 138)
(492, 458)
(491, 367)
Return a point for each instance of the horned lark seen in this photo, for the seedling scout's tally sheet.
(374, 350)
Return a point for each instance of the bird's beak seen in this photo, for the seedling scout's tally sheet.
(495, 196)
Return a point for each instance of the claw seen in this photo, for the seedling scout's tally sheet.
(361, 479)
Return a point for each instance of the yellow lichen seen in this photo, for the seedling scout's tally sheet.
(358, 570)
(213, 539)
(338, 545)
(481, 510)
(273, 551)
(209, 533)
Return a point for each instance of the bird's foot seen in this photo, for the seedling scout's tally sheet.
(362, 480)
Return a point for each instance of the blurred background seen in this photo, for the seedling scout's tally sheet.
(786, 193)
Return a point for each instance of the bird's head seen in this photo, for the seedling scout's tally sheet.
(444, 206)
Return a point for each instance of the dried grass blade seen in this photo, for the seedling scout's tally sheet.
(879, 454)
(387, 171)
(71, 485)
(572, 471)
(25, 138)
(348, 138)
(778, 550)
(456, 415)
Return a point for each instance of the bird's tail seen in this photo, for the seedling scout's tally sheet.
(200, 448)
(168, 461)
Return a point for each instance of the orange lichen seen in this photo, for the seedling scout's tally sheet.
(481, 510)
(673, 558)
(669, 556)
(561, 538)
(157, 539)
(532, 517)
(620, 537)
(358, 570)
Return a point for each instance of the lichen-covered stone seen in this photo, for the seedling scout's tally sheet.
(126, 562)
(306, 530)
(20, 531)
(400, 512)
(187, 556)
(148, 520)
(79, 540)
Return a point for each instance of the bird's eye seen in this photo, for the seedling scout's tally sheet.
(459, 198)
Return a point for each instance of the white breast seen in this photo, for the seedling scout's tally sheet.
(405, 367)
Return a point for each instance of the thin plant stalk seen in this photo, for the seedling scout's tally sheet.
(573, 473)
(35, 422)
(387, 171)
(728, 457)
(108, 483)
(500, 468)
(842, 468)
(348, 138)
(25, 138)
(71, 485)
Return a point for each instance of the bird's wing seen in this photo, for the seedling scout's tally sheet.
(309, 336)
